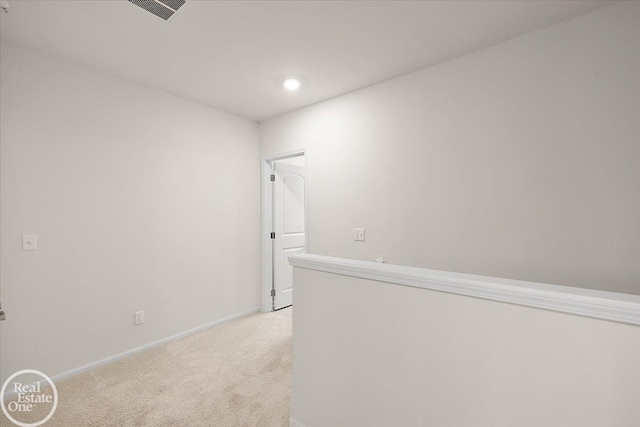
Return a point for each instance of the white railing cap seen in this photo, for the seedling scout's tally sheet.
(605, 305)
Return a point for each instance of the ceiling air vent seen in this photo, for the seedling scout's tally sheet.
(161, 8)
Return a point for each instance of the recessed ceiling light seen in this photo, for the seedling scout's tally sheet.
(291, 84)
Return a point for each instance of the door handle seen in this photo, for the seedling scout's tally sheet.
(2, 316)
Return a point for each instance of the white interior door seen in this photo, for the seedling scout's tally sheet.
(289, 227)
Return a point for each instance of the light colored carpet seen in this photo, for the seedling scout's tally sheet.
(286, 312)
(238, 374)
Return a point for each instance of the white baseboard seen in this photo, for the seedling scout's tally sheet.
(115, 358)
(294, 423)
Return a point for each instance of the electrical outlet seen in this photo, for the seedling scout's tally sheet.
(138, 317)
(358, 234)
(29, 242)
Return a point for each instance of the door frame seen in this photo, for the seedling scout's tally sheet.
(267, 220)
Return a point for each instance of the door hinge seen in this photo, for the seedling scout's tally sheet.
(272, 177)
(273, 292)
(273, 235)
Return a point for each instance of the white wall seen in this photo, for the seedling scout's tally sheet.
(521, 160)
(140, 200)
(384, 355)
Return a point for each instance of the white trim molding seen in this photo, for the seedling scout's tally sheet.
(266, 164)
(267, 245)
(111, 359)
(617, 307)
(294, 423)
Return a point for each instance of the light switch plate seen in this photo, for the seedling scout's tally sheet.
(29, 242)
(358, 234)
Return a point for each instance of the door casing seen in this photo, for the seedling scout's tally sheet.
(266, 164)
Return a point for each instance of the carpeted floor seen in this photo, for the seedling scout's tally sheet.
(238, 374)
